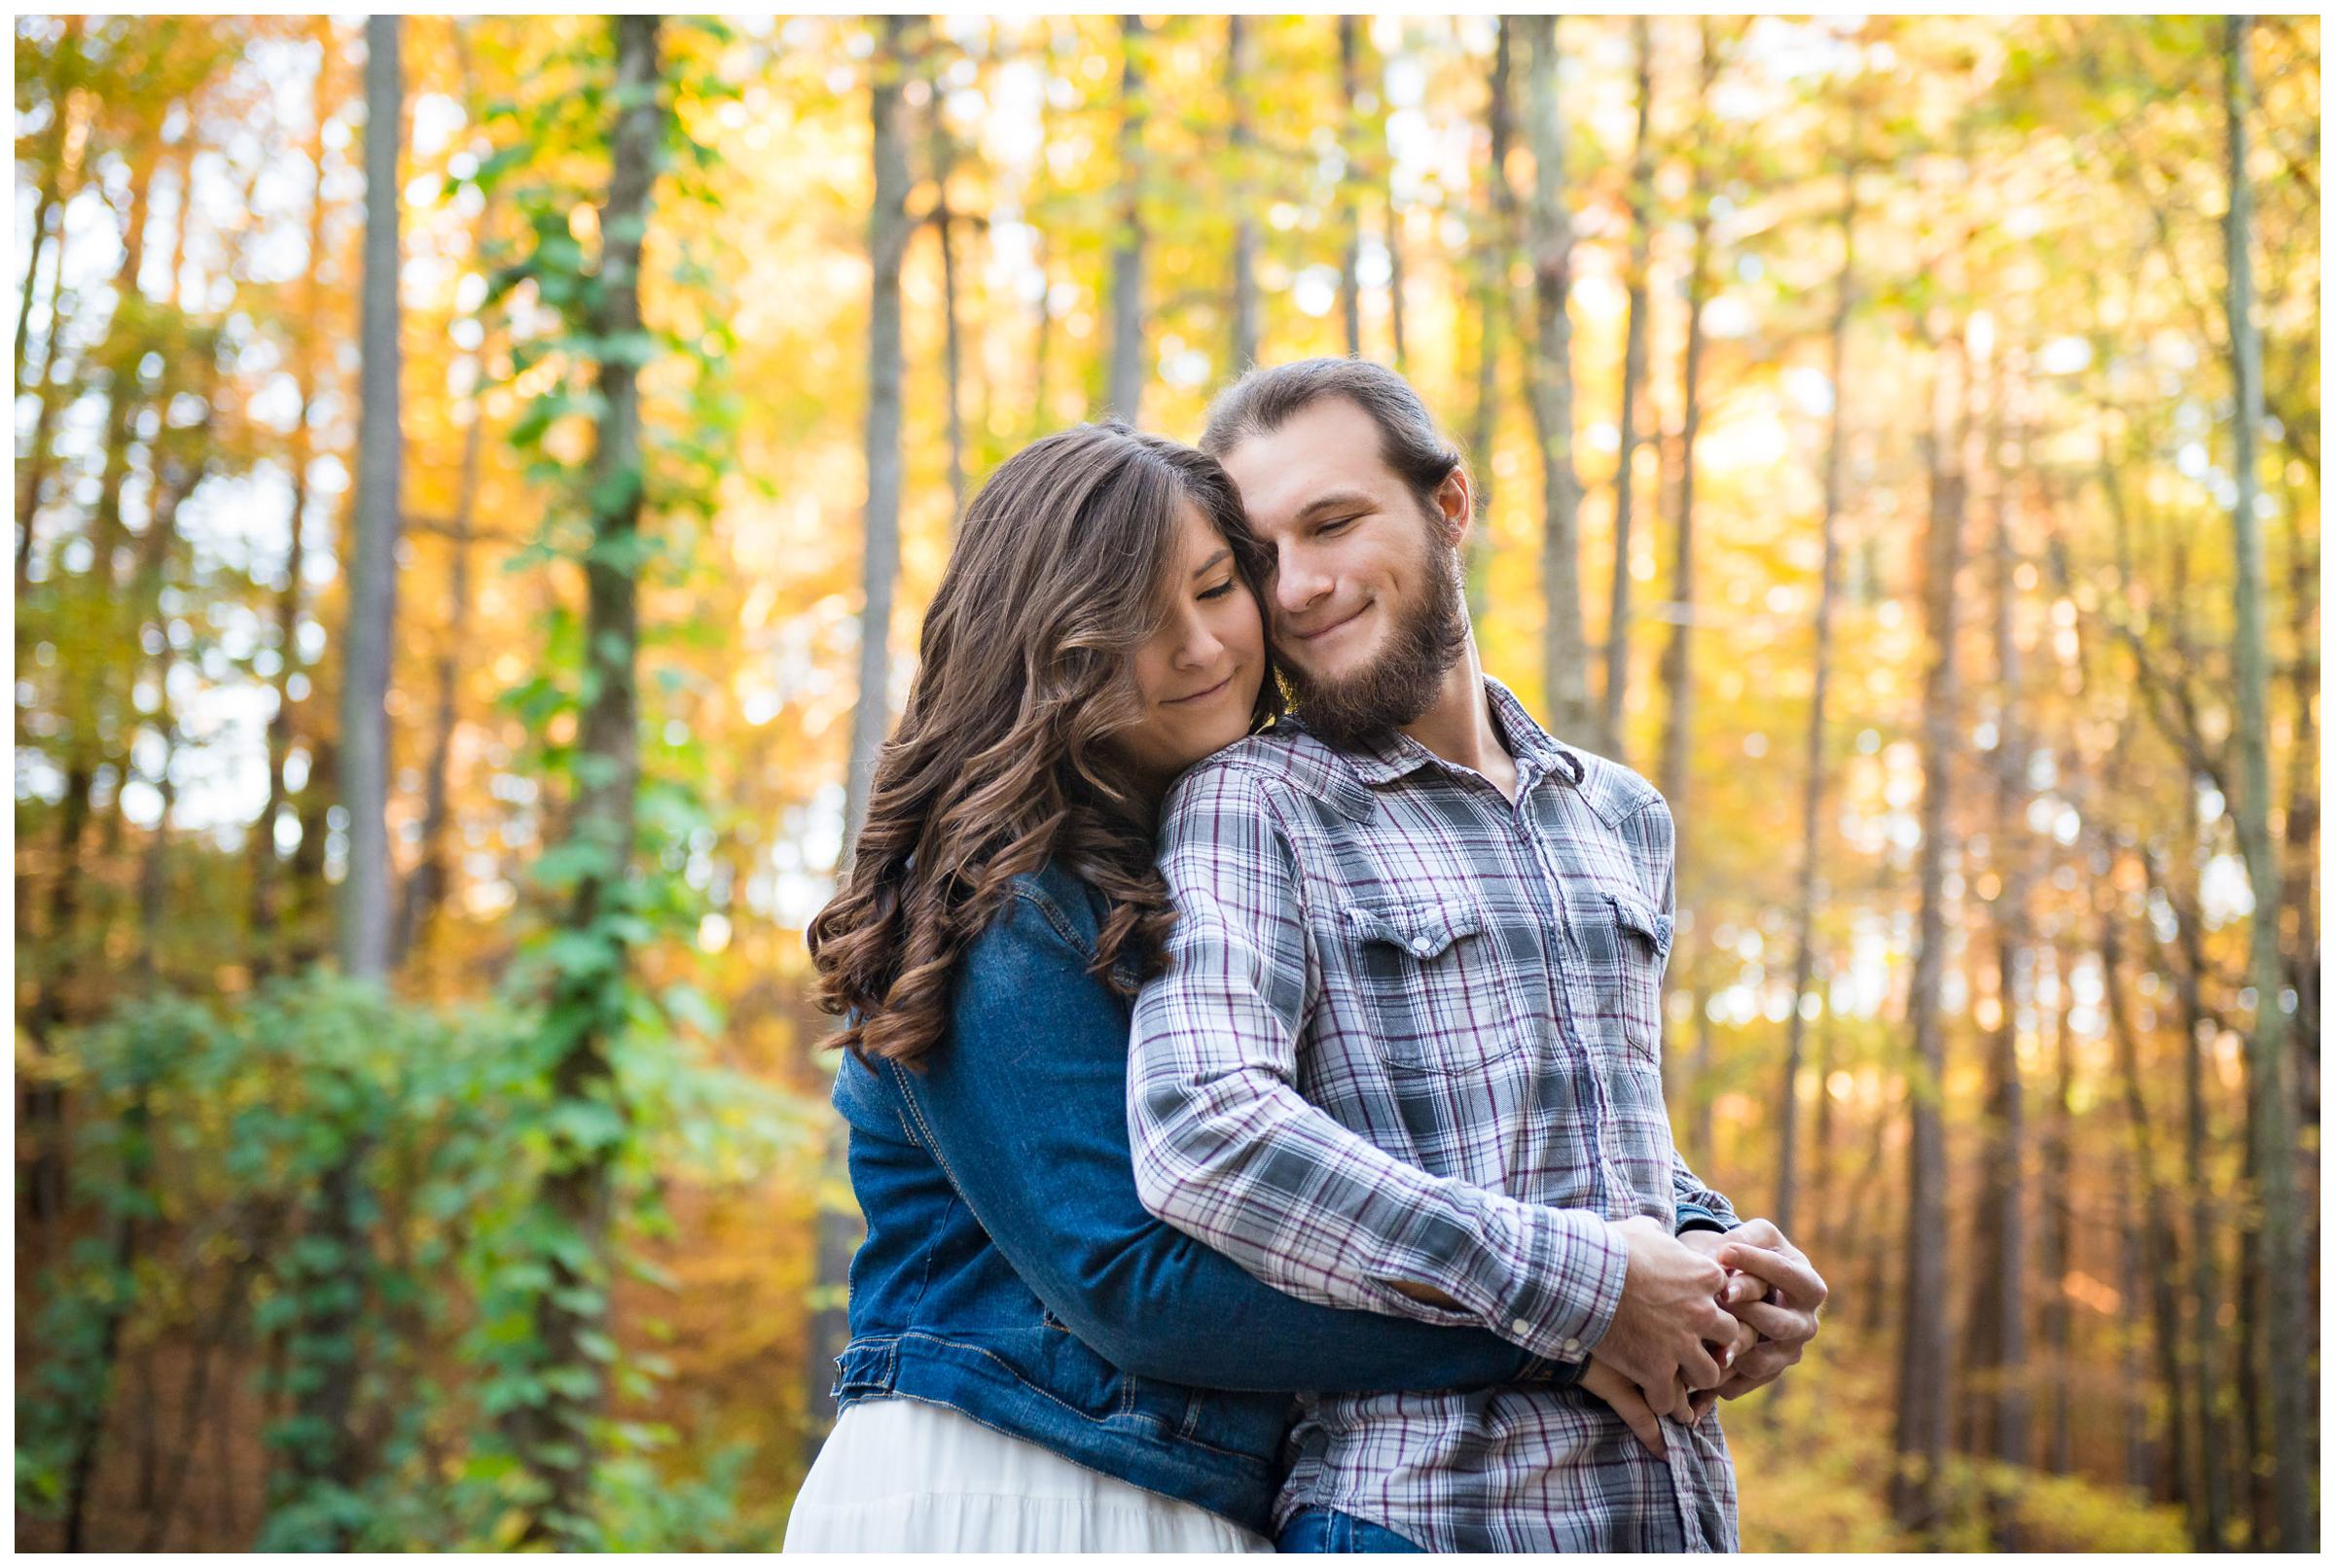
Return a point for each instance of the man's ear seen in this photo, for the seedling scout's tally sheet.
(1456, 501)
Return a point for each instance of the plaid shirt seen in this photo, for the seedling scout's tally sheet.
(1411, 1032)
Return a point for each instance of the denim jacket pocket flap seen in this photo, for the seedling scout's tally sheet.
(1424, 931)
(866, 1368)
(1638, 916)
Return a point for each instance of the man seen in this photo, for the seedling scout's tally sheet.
(1407, 1053)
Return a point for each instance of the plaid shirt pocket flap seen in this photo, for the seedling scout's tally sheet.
(1636, 914)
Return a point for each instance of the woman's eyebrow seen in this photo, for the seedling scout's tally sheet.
(1211, 563)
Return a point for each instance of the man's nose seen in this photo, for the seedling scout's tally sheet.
(1295, 582)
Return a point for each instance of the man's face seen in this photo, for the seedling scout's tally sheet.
(1364, 605)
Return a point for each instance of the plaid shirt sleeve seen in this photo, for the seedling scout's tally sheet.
(1227, 1150)
(1699, 1207)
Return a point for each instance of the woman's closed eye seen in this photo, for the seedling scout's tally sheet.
(1219, 590)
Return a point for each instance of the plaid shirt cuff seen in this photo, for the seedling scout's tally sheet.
(1562, 1305)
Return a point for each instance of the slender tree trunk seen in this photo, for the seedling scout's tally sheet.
(1923, 1352)
(1240, 75)
(1394, 275)
(887, 238)
(125, 344)
(1564, 657)
(366, 893)
(262, 851)
(1677, 663)
(1124, 399)
(2053, 1251)
(1633, 379)
(34, 467)
(2299, 840)
(1041, 349)
(555, 1448)
(2011, 1438)
(50, 159)
(123, 1245)
(1822, 1209)
(1863, 1227)
(424, 888)
(2140, 1453)
(944, 165)
(2285, 1270)
(1350, 207)
(2157, 1260)
(1494, 312)
(2208, 1514)
(1812, 790)
(871, 719)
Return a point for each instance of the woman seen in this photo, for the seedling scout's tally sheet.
(1036, 1363)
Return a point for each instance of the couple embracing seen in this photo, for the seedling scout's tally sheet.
(1258, 1114)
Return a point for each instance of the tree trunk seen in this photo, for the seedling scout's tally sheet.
(2284, 1268)
(262, 851)
(125, 344)
(1564, 658)
(2208, 1514)
(2009, 1440)
(2140, 1454)
(424, 889)
(1922, 1350)
(1124, 398)
(2158, 1263)
(366, 892)
(887, 242)
(871, 718)
(1494, 312)
(1350, 207)
(1677, 663)
(1812, 789)
(953, 355)
(1634, 378)
(35, 465)
(1240, 76)
(50, 201)
(607, 788)
(2055, 1247)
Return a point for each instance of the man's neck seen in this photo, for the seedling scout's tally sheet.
(1457, 726)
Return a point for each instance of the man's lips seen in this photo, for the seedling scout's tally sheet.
(1323, 631)
(1175, 701)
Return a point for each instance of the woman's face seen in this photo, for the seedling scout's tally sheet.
(1199, 673)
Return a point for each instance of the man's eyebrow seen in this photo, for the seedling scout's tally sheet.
(1336, 501)
(1209, 564)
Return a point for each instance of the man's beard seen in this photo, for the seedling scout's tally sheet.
(1358, 710)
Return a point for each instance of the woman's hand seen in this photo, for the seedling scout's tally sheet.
(1629, 1402)
(1772, 1289)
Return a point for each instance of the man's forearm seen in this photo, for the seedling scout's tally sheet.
(1245, 1165)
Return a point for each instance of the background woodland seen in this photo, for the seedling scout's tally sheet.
(457, 462)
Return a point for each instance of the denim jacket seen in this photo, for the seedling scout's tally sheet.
(1011, 1272)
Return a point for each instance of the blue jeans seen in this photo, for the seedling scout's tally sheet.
(1325, 1529)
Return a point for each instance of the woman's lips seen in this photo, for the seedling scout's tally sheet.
(1178, 701)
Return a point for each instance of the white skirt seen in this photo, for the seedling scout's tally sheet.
(899, 1475)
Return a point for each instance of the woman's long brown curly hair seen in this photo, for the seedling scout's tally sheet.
(1002, 758)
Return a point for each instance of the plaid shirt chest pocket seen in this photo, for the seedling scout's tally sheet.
(1638, 941)
(1440, 984)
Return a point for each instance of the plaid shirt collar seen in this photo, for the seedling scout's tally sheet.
(1536, 752)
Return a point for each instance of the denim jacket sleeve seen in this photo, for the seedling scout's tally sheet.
(1024, 1106)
